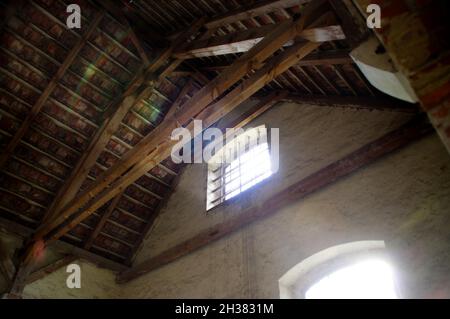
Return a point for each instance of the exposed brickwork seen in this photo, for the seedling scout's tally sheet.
(415, 33)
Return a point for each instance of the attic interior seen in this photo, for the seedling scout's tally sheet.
(86, 122)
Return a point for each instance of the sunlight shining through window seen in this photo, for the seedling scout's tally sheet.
(370, 279)
(247, 170)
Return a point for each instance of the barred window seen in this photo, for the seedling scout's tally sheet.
(242, 163)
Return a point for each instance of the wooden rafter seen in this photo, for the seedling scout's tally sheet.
(382, 103)
(365, 155)
(161, 135)
(245, 40)
(124, 13)
(98, 228)
(71, 56)
(257, 9)
(135, 92)
(247, 12)
(173, 108)
(51, 268)
(353, 23)
(138, 45)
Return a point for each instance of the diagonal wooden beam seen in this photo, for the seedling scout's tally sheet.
(51, 268)
(98, 228)
(250, 11)
(244, 40)
(156, 145)
(35, 109)
(381, 103)
(210, 115)
(124, 13)
(365, 155)
(137, 90)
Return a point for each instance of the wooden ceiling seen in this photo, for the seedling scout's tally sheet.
(73, 102)
(35, 43)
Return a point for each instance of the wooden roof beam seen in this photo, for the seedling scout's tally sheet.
(144, 156)
(98, 228)
(382, 103)
(335, 57)
(247, 12)
(244, 40)
(251, 11)
(135, 92)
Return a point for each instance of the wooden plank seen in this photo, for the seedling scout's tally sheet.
(7, 268)
(98, 228)
(51, 268)
(49, 89)
(138, 45)
(247, 12)
(381, 103)
(244, 40)
(365, 155)
(160, 137)
(212, 114)
(263, 105)
(177, 103)
(352, 22)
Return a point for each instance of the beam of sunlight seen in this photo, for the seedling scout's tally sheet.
(370, 279)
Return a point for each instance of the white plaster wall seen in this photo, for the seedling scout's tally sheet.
(403, 199)
(96, 283)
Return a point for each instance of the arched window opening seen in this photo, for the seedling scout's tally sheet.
(369, 279)
(358, 270)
